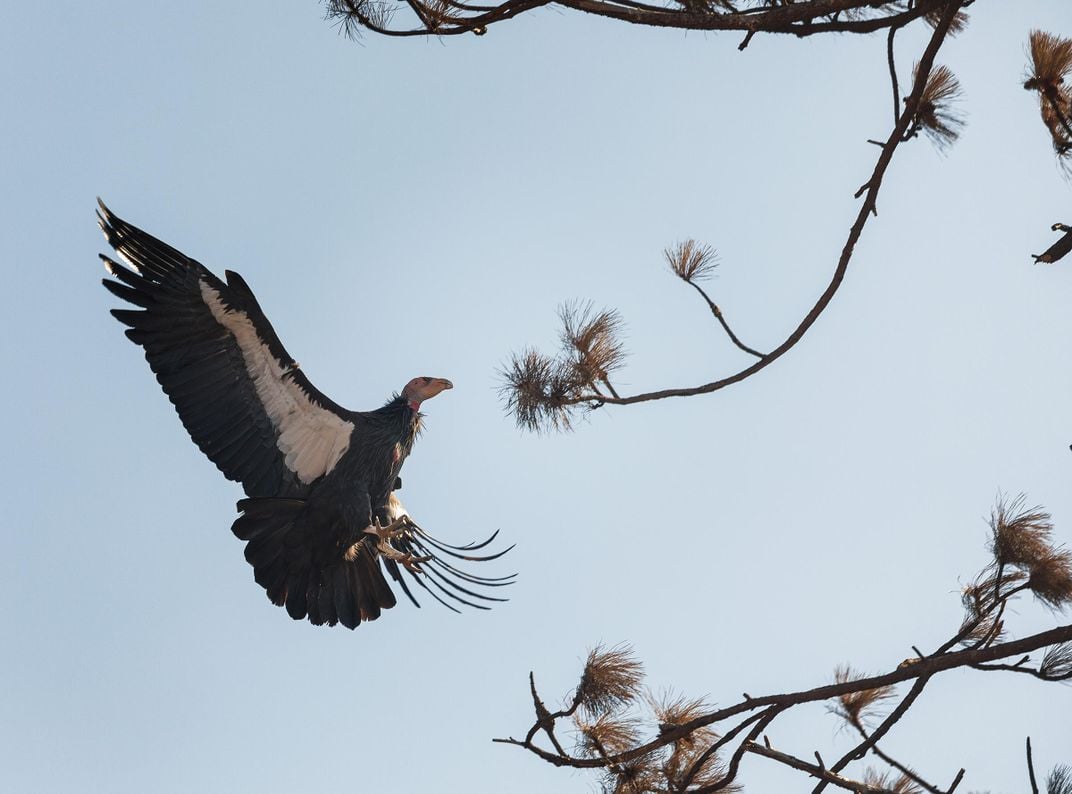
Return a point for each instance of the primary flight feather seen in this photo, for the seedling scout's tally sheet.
(320, 521)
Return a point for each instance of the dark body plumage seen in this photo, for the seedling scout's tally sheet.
(316, 475)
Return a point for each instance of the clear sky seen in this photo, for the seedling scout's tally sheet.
(421, 207)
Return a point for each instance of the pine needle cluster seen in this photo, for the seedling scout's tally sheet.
(691, 261)
(1049, 74)
(857, 708)
(1056, 663)
(1059, 780)
(888, 783)
(352, 15)
(957, 25)
(937, 115)
(1022, 538)
(547, 392)
(612, 678)
(613, 713)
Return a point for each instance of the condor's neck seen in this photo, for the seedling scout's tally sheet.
(399, 416)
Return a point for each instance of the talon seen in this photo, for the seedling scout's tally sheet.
(409, 561)
(383, 534)
(413, 564)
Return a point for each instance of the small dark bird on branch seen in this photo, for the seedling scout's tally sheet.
(320, 515)
(1058, 249)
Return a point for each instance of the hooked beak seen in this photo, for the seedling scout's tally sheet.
(433, 387)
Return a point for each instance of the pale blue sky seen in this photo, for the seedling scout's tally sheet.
(421, 207)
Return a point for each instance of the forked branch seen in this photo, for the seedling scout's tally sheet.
(684, 750)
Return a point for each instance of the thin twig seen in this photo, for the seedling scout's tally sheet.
(955, 783)
(904, 770)
(974, 624)
(815, 771)
(893, 74)
(891, 719)
(728, 737)
(715, 310)
(738, 754)
(1031, 768)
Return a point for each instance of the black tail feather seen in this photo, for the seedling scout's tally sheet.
(317, 582)
(392, 568)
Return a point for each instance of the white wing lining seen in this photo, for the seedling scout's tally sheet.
(311, 438)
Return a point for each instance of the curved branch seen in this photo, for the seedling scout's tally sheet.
(867, 208)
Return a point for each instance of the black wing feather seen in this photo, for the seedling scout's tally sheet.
(198, 361)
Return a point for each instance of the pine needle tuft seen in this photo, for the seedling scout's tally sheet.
(612, 678)
(1049, 73)
(936, 115)
(691, 261)
(607, 734)
(1057, 662)
(886, 783)
(1022, 538)
(1059, 781)
(959, 23)
(1019, 536)
(1051, 579)
(591, 341)
(858, 707)
(537, 390)
(548, 392)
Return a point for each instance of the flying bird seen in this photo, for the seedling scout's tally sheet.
(1058, 249)
(320, 518)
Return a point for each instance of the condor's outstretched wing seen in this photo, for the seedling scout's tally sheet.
(237, 391)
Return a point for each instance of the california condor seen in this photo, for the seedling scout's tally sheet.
(320, 519)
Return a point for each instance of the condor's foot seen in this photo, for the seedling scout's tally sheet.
(385, 534)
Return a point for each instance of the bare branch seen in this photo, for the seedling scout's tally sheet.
(912, 117)
(803, 18)
(814, 770)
